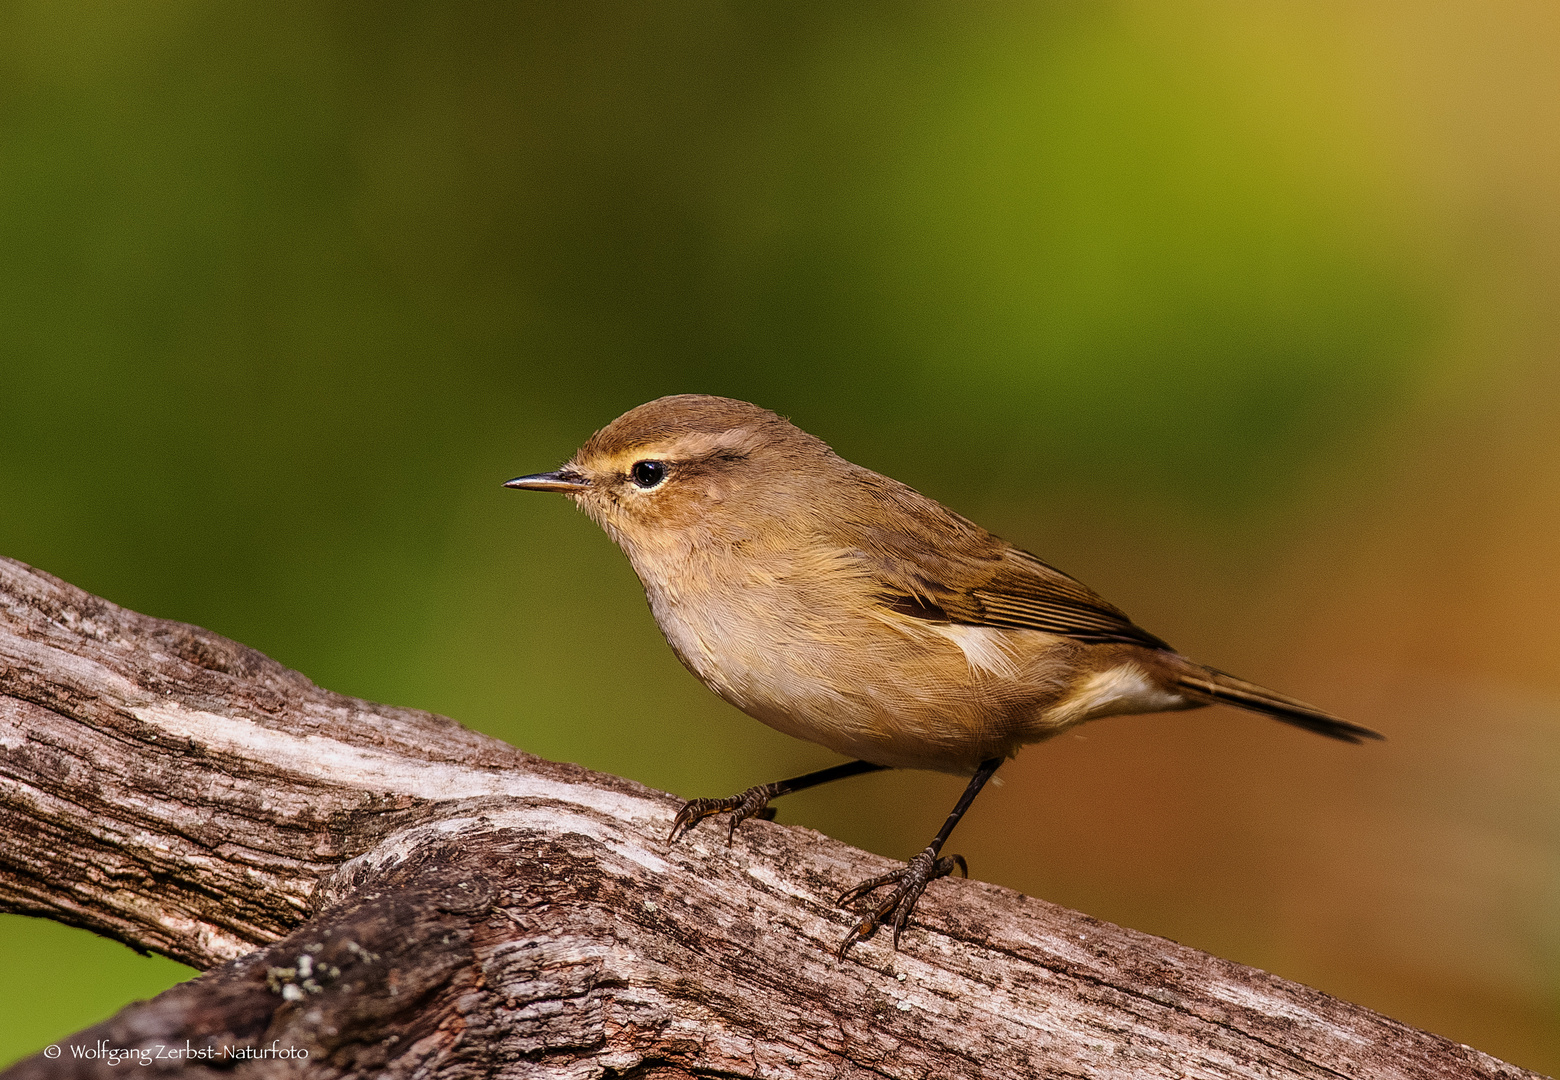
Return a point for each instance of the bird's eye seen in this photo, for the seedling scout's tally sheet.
(647, 474)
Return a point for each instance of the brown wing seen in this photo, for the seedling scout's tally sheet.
(1022, 593)
(938, 566)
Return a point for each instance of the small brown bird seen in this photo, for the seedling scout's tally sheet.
(842, 607)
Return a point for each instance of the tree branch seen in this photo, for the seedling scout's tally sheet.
(386, 892)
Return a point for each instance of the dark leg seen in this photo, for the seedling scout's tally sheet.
(924, 869)
(754, 800)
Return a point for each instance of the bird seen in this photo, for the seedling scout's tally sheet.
(840, 606)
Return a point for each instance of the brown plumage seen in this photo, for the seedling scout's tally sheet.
(841, 606)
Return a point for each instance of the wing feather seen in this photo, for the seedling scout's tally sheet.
(935, 565)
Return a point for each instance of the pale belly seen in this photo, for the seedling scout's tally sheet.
(893, 690)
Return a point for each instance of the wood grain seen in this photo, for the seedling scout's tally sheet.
(392, 895)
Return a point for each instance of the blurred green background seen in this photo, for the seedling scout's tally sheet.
(1245, 314)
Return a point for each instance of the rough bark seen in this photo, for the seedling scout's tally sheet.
(392, 894)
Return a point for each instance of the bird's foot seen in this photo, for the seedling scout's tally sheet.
(754, 802)
(909, 884)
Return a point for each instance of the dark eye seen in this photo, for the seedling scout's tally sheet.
(647, 474)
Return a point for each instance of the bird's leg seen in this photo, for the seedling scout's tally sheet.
(922, 870)
(754, 801)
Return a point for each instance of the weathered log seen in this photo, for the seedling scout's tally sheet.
(378, 891)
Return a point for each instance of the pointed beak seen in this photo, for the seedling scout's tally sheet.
(564, 480)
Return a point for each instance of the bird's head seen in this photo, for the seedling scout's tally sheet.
(688, 467)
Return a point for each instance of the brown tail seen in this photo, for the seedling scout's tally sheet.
(1208, 685)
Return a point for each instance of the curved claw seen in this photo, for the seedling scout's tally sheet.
(693, 812)
(897, 906)
(754, 802)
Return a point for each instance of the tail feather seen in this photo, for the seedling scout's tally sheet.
(1209, 685)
